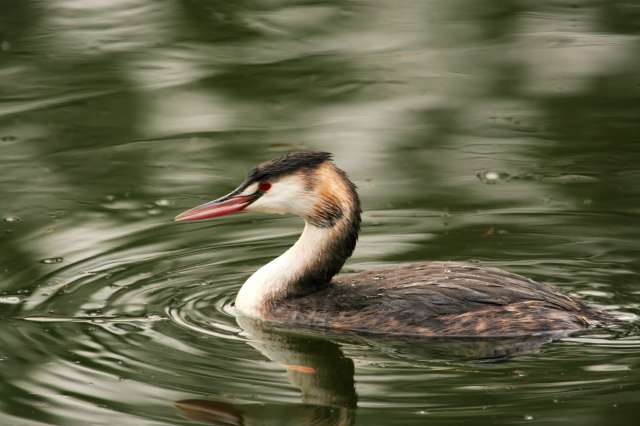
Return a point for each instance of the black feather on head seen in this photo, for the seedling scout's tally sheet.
(289, 163)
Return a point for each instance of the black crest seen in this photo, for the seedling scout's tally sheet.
(288, 163)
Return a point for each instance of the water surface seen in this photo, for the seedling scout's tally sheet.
(503, 134)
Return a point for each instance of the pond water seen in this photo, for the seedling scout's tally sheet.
(503, 133)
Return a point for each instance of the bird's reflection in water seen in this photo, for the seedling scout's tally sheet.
(315, 365)
(325, 376)
(215, 413)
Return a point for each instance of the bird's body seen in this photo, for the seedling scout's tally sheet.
(437, 299)
(422, 299)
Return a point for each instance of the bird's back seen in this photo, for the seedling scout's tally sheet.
(437, 299)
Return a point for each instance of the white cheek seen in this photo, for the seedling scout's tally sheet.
(251, 189)
(285, 196)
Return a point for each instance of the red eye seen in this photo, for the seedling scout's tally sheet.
(264, 186)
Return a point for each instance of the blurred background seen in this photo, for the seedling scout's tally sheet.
(505, 133)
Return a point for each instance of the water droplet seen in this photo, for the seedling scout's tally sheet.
(528, 417)
(491, 177)
(52, 260)
(12, 219)
(163, 203)
(422, 412)
(154, 212)
(519, 373)
(56, 214)
(110, 197)
(10, 300)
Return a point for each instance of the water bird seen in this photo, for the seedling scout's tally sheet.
(432, 298)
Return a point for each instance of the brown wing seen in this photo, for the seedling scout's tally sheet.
(437, 298)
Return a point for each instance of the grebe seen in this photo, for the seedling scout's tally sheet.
(421, 299)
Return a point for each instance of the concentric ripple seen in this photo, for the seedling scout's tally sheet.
(122, 287)
(207, 312)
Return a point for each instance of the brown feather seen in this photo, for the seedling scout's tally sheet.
(438, 299)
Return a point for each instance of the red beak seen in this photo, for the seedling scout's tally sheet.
(221, 207)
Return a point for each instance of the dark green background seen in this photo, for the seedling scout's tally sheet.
(116, 115)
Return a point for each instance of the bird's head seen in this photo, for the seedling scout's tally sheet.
(306, 184)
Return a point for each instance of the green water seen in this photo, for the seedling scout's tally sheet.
(500, 132)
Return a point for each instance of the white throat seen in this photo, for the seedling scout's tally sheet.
(275, 279)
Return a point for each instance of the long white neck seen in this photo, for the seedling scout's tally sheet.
(280, 277)
(330, 207)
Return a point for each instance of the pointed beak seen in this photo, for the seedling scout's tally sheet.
(223, 206)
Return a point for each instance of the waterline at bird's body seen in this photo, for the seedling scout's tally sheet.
(423, 299)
